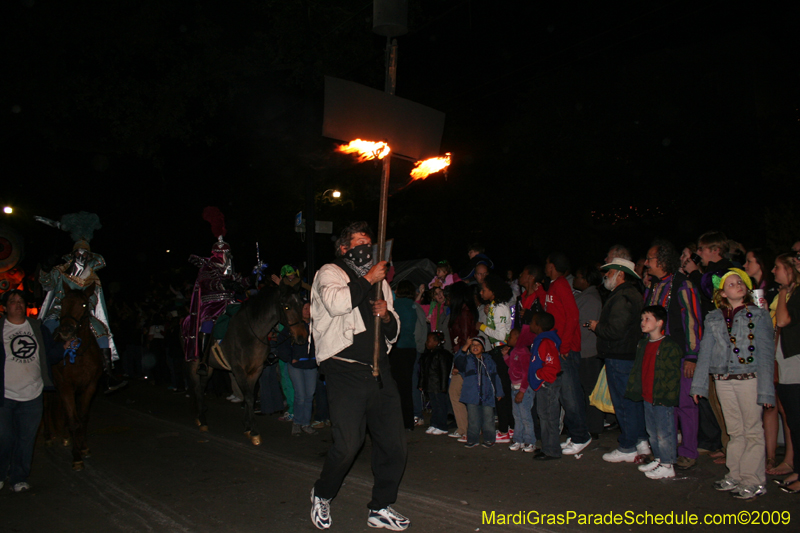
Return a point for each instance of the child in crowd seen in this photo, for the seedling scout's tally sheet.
(481, 387)
(544, 377)
(656, 380)
(521, 394)
(498, 315)
(444, 276)
(738, 350)
(434, 369)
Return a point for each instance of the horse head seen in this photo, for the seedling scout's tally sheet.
(76, 309)
(292, 313)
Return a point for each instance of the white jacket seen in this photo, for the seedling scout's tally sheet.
(334, 320)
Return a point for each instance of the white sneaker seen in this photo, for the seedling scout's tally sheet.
(231, 397)
(649, 466)
(517, 446)
(661, 472)
(566, 443)
(501, 438)
(572, 448)
(437, 431)
(462, 438)
(21, 487)
(619, 457)
(320, 511)
(388, 518)
(429, 430)
(529, 448)
(419, 421)
(236, 399)
(455, 434)
(643, 448)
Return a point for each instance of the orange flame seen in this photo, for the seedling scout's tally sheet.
(423, 169)
(365, 150)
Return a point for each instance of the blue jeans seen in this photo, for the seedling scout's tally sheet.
(549, 411)
(19, 422)
(660, 422)
(439, 410)
(480, 418)
(270, 391)
(524, 432)
(304, 381)
(572, 398)
(416, 397)
(630, 414)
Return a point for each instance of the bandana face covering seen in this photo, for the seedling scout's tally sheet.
(359, 259)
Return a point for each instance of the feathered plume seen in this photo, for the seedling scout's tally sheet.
(215, 217)
(81, 226)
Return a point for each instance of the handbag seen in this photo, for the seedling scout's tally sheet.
(601, 397)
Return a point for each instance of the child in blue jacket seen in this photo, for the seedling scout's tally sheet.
(481, 387)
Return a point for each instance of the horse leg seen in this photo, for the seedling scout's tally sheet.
(68, 399)
(82, 411)
(247, 384)
(198, 386)
(48, 418)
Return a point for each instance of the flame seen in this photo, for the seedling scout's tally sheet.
(423, 169)
(366, 150)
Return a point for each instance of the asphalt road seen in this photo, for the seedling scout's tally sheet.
(151, 470)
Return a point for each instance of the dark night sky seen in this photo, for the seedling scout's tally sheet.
(146, 111)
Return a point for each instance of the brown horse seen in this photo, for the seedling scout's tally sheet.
(77, 375)
(246, 347)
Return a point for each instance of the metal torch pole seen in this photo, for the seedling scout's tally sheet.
(391, 77)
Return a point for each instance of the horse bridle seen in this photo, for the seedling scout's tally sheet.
(78, 321)
(285, 307)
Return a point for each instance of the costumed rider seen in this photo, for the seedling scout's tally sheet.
(79, 271)
(215, 288)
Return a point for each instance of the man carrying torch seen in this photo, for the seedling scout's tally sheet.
(343, 328)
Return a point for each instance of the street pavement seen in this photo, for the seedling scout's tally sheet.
(151, 470)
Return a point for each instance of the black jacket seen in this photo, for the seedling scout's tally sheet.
(434, 370)
(619, 328)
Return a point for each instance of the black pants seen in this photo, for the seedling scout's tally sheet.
(402, 361)
(505, 415)
(356, 404)
(709, 434)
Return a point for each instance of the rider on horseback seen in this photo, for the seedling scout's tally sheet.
(215, 288)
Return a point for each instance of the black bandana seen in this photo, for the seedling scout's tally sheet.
(359, 259)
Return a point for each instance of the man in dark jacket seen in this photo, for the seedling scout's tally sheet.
(618, 332)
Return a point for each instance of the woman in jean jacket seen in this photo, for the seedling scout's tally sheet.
(742, 377)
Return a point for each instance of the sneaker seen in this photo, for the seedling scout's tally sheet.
(725, 484)
(647, 467)
(388, 518)
(643, 448)
(437, 431)
(308, 429)
(455, 434)
(487, 444)
(749, 492)
(430, 430)
(573, 447)
(22, 487)
(418, 421)
(566, 443)
(661, 472)
(517, 446)
(296, 430)
(286, 417)
(511, 432)
(529, 448)
(470, 444)
(619, 457)
(318, 424)
(231, 397)
(236, 399)
(320, 511)
(462, 438)
(685, 463)
(501, 437)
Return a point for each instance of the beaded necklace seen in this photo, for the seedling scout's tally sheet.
(750, 336)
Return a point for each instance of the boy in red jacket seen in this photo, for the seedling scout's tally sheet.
(544, 377)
